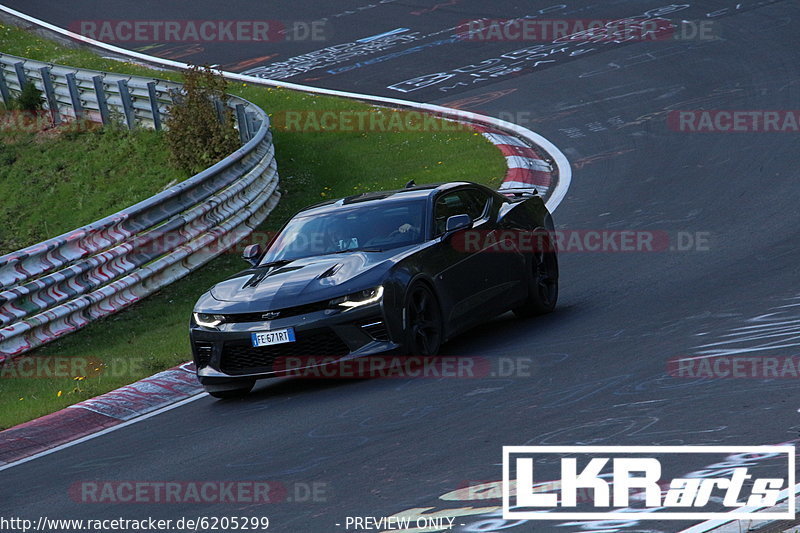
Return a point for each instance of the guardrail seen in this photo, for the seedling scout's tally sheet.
(62, 284)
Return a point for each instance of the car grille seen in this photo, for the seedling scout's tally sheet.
(240, 357)
(284, 313)
(202, 351)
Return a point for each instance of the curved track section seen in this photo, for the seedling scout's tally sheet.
(599, 368)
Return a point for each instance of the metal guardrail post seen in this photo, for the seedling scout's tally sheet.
(127, 104)
(153, 96)
(252, 127)
(220, 109)
(4, 88)
(99, 89)
(50, 94)
(241, 119)
(74, 96)
(19, 68)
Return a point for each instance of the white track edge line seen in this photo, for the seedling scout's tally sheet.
(106, 430)
(564, 169)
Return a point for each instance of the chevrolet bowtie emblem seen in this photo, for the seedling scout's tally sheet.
(271, 315)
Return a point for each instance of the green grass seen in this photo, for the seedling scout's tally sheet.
(49, 186)
(153, 335)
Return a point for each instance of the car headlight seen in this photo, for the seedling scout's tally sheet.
(358, 299)
(208, 321)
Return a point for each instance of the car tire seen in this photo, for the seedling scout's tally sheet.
(423, 320)
(543, 282)
(236, 391)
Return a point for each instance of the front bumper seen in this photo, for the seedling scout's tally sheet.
(225, 354)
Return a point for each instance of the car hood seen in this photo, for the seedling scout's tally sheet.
(306, 280)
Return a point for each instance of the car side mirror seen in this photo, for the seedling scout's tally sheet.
(251, 254)
(457, 222)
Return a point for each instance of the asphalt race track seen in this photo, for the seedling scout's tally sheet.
(599, 365)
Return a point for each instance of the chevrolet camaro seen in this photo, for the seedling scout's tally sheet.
(378, 273)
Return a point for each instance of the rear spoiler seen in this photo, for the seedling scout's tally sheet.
(519, 193)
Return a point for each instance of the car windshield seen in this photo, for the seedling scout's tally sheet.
(376, 227)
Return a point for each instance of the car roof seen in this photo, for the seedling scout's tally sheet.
(382, 197)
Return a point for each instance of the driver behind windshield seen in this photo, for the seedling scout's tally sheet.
(376, 228)
(392, 230)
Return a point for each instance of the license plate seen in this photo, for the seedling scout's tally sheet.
(268, 338)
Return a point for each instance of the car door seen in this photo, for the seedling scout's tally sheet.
(471, 278)
(499, 255)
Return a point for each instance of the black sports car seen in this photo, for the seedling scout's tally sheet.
(392, 271)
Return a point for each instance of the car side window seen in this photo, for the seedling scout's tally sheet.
(479, 201)
(447, 205)
(469, 202)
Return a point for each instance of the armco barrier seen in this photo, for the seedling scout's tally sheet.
(101, 97)
(60, 285)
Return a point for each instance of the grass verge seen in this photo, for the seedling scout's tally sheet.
(49, 186)
(152, 335)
